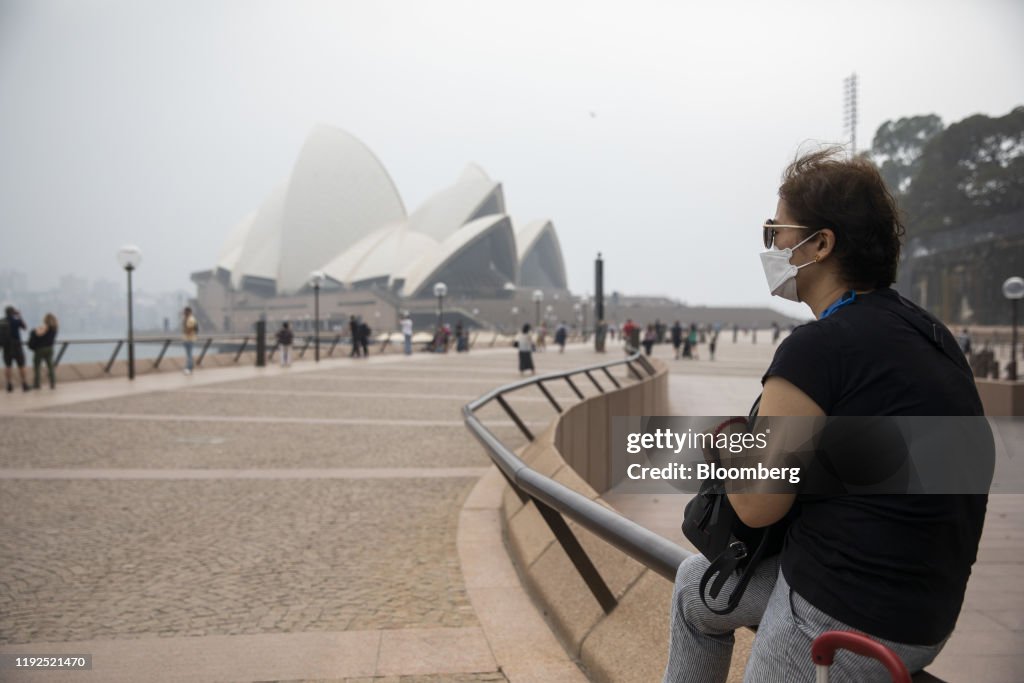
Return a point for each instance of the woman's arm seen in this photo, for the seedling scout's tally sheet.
(780, 398)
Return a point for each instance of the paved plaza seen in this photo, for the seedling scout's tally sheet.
(255, 524)
(331, 523)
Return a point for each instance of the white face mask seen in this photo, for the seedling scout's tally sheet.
(781, 274)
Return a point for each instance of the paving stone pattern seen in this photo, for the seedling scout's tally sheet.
(103, 559)
(127, 560)
(97, 443)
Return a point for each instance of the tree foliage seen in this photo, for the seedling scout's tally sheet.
(898, 146)
(969, 172)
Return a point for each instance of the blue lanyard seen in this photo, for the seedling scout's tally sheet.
(847, 298)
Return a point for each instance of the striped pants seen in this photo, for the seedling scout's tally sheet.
(701, 642)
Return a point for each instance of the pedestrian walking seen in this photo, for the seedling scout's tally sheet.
(10, 338)
(650, 337)
(713, 344)
(692, 339)
(677, 338)
(189, 334)
(461, 338)
(446, 337)
(524, 342)
(353, 333)
(406, 325)
(285, 337)
(561, 336)
(364, 338)
(629, 330)
(41, 341)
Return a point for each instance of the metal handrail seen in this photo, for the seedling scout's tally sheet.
(650, 549)
(202, 342)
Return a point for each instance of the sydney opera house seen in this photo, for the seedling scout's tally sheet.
(340, 214)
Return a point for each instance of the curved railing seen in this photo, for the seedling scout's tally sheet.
(556, 501)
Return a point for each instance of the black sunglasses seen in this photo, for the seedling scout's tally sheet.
(770, 228)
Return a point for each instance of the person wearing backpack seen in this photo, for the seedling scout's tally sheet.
(891, 566)
(561, 336)
(41, 341)
(10, 338)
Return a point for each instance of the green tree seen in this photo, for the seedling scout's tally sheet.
(971, 172)
(898, 146)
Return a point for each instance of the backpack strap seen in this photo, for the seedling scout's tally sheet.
(724, 565)
(729, 560)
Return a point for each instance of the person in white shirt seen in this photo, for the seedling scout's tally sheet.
(406, 324)
(524, 342)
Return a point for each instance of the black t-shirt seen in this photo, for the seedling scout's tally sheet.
(894, 566)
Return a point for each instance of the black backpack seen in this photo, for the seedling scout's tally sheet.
(714, 528)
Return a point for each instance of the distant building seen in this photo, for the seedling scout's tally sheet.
(958, 273)
(340, 213)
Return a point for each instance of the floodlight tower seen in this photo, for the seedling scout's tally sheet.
(850, 110)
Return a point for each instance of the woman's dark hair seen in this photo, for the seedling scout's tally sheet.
(824, 189)
(526, 328)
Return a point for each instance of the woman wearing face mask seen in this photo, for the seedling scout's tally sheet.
(894, 567)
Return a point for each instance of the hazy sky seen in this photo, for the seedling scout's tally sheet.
(652, 131)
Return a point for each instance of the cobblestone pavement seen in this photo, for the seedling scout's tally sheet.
(148, 444)
(105, 560)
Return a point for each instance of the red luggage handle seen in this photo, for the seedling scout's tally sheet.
(824, 647)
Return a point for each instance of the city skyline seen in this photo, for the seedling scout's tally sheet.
(91, 305)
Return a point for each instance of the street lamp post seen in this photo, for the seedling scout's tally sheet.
(129, 256)
(440, 291)
(1013, 289)
(316, 278)
(583, 307)
(538, 296)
